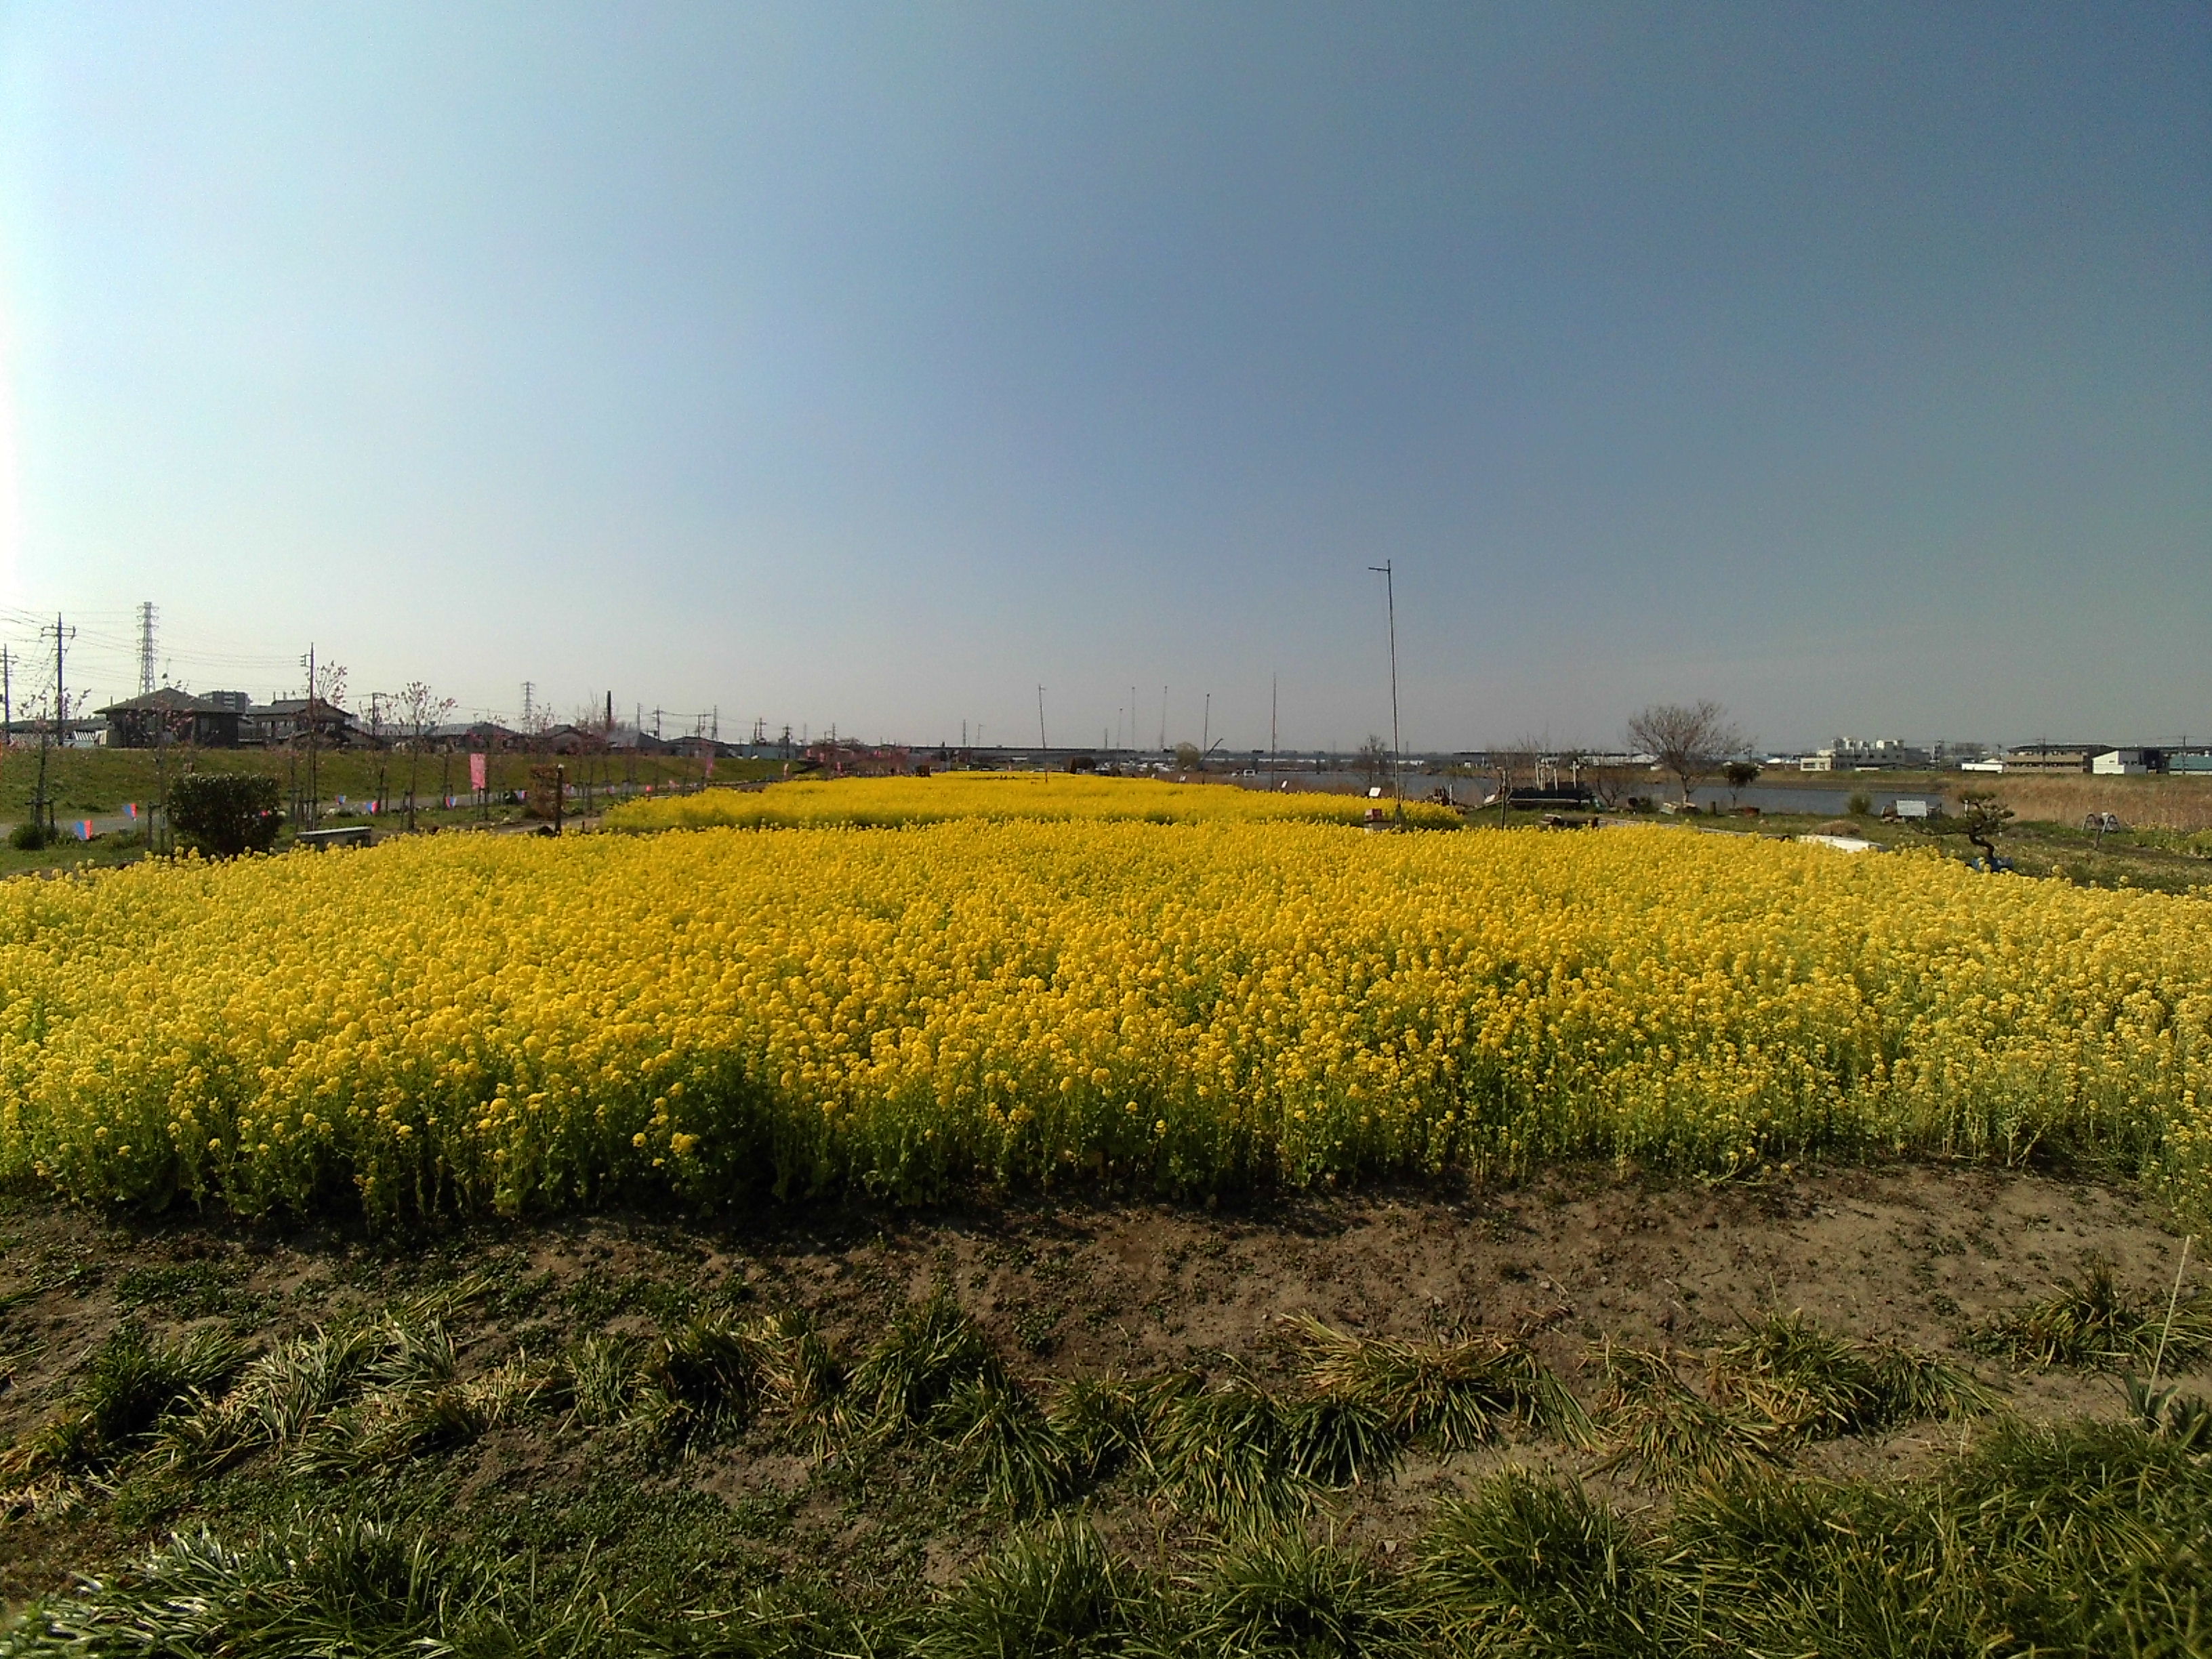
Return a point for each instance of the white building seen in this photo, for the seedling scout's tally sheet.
(1864, 755)
(2128, 762)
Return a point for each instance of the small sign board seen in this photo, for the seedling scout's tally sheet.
(1911, 807)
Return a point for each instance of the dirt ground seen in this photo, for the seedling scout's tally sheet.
(1573, 1261)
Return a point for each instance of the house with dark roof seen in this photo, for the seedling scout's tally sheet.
(288, 721)
(170, 716)
(476, 737)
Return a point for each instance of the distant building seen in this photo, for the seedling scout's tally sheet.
(170, 716)
(285, 721)
(1864, 755)
(573, 740)
(636, 740)
(475, 737)
(2129, 762)
(2051, 756)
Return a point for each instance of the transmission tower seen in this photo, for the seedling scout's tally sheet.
(146, 648)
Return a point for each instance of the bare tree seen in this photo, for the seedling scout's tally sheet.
(1687, 740)
(1517, 759)
(1373, 760)
(419, 710)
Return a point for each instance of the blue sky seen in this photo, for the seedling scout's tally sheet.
(873, 365)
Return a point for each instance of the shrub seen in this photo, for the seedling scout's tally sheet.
(225, 814)
(30, 835)
(1860, 804)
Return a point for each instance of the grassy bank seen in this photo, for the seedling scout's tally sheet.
(84, 782)
(1589, 1416)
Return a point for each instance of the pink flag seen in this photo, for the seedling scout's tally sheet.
(476, 771)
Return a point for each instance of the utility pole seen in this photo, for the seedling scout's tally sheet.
(61, 695)
(1206, 731)
(1274, 702)
(146, 648)
(1397, 765)
(1164, 719)
(314, 788)
(1041, 743)
(38, 797)
(43, 807)
(529, 712)
(8, 700)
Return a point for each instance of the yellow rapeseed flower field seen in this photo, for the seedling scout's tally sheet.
(463, 1024)
(818, 803)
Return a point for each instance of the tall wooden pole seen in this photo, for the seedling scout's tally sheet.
(1397, 762)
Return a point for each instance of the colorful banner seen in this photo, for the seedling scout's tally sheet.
(81, 829)
(131, 807)
(476, 771)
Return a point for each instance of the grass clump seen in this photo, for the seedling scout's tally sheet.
(703, 1381)
(1674, 1435)
(933, 1346)
(1008, 1442)
(125, 1390)
(2095, 1323)
(1810, 1381)
(324, 1585)
(1099, 1422)
(1528, 1555)
(436, 1413)
(1222, 1448)
(1451, 1395)
(1048, 1591)
(601, 1370)
(1286, 1592)
(2077, 1538)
